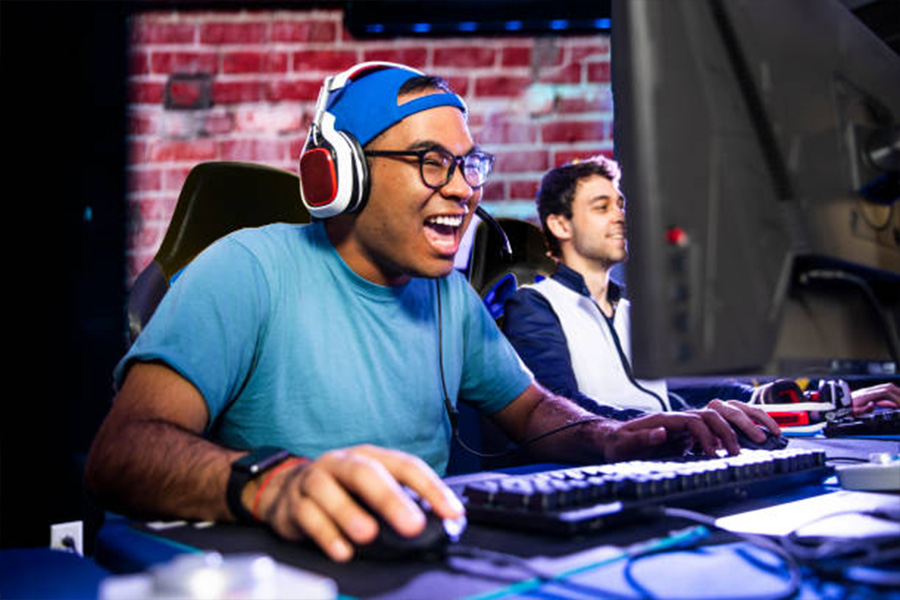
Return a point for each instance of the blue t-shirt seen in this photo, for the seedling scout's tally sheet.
(289, 347)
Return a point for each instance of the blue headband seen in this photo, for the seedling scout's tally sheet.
(367, 106)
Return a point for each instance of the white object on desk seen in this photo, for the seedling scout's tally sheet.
(214, 576)
(881, 473)
(835, 514)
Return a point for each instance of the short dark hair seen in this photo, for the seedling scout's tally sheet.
(424, 82)
(558, 190)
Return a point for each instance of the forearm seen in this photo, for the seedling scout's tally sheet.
(149, 457)
(557, 429)
(155, 468)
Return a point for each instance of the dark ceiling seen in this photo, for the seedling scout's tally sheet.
(881, 16)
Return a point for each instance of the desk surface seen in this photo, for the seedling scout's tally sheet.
(710, 572)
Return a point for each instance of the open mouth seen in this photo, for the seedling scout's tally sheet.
(442, 232)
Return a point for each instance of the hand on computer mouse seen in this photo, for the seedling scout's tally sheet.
(431, 543)
(751, 423)
(770, 441)
(318, 501)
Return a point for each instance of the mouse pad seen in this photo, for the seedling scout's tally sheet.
(600, 571)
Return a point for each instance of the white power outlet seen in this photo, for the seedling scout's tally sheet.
(68, 537)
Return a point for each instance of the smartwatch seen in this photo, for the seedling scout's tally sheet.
(246, 468)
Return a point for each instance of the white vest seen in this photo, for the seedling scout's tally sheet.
(598, 366)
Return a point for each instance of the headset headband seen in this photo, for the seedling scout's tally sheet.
(353, 108)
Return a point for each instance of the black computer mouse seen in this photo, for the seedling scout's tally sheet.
(430, 544)
(772, 442)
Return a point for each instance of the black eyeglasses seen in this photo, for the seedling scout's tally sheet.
(437, 165)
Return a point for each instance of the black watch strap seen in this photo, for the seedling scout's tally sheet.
(246, 468)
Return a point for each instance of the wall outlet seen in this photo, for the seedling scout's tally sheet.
(68, 537)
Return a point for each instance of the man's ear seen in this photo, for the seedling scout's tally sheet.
(559, 226)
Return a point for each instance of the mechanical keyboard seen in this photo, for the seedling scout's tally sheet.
(882, 422)
(589, 498)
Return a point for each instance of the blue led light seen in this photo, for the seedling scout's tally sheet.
(513, 25)
(421, 27)
(375, 28)
(603, 23)
(468, 26)
(558, 24)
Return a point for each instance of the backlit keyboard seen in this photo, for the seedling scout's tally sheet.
(587, 498)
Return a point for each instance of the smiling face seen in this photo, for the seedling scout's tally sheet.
(406, 228)
(596, 231)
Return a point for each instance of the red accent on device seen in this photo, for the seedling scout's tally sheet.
(790, 419)
(677, 236)
(318, 177)
(787, 396)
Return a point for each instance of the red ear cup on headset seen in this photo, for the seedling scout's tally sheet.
(334, 175)
(319, 184)
(333, 171)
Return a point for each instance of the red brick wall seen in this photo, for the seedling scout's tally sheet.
(535, 102)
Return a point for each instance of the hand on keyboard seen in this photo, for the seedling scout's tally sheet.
(670, 434)
(886, 395)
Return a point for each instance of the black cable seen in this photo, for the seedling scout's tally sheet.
(502, 558)
(796, 575)
(453, 414)
(829, 275)
(643, 593)
(825, 555)
(505, 247)
(792, 586)
(831, 554)
(498, 558)
(846, 459)
(626, 364)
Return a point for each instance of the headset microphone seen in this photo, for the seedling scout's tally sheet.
(506, 247)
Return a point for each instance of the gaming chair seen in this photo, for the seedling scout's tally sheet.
(216, 199)
(496, 277)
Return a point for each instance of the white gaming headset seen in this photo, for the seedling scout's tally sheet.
(333, 169)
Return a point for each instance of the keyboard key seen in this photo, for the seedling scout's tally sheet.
(592, 497)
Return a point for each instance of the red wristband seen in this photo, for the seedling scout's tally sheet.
(293, 461)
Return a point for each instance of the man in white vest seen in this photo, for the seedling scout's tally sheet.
(573, 330)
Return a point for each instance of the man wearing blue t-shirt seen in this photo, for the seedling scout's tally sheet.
(294, 373)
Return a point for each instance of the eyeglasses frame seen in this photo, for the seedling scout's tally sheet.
(458, 161)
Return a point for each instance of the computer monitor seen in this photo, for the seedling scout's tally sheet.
(760, 154)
